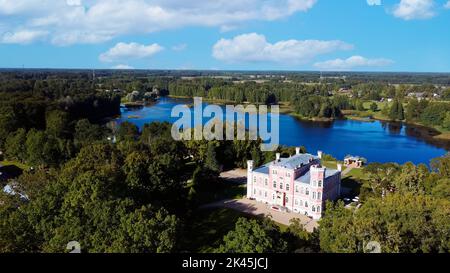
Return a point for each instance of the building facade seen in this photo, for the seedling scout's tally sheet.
(299, 183)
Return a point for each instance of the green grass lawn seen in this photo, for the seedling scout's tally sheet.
(14, 163)
(207, 229)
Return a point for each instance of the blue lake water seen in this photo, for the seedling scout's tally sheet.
(377, 141)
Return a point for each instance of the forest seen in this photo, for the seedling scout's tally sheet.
(141, 191)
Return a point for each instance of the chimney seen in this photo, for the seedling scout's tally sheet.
(297, 150)
(319, 154)
(339, 167)
(278, 155)
(250, 165)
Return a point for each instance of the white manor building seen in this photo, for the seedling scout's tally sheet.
(298, 183)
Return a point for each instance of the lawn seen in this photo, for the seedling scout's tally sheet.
(6, 163)
(207, 229)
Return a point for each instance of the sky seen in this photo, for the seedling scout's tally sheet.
(325, 35)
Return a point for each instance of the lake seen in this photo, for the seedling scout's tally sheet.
(377, 141)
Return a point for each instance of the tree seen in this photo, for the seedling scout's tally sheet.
(127, 131)
(15, 145)
(396, 111)
(250, 236)
(373, 107)
(57, 123)
(211, 162)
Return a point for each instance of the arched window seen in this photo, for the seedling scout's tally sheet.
(313, 208)
(318, 208)
(286, 199)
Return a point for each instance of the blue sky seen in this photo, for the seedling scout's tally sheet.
(349, 35)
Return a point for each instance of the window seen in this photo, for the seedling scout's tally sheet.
(265, 182)
(296, 188)
(320, 183)
(307, 191)
(296, 202)
(303, 191)
(286, 199)
(313, 209)
(288, 175)
(301, 203)
(314, 195)
(254, 179)
(260, 193)
(281, 186)
(273, 196)
(275, 184)
(265, 194)
(287, 186)
(254, 191)
(314, 183)
(319, 195)
(318, 208)
(306, 204)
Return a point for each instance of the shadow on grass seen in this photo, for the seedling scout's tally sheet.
(206, 229)
(9, 172)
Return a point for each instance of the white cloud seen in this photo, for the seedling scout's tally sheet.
(93, 21)
(352, 62)
(22, 37)
(374, 2)
(122, 67)
(123, 51)
(414, 9)
(254, 47)
(179, 47)
(447, 5)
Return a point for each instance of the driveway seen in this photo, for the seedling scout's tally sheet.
(261, 209)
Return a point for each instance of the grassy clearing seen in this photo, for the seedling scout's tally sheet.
(207, 229)
(22, 166)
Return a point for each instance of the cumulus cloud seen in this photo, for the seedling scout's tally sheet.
(352, 62)
(93, 21)
(414, 9)
(22, 37)
(123, 51)
(122, 67)
(254, 47)
(374, 2)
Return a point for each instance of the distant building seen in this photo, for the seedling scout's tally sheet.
(354, 161)
(298, 183)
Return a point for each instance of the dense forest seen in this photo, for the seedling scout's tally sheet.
(121, 189)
